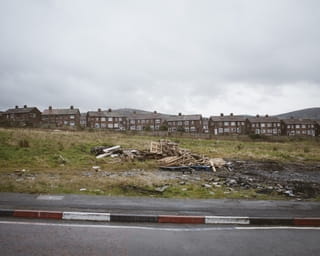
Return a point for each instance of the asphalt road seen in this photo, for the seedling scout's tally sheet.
(226, 207)
(26, 237)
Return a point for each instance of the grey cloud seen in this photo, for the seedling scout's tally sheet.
(173, 56)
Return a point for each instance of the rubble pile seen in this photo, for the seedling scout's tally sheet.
(173, 155)
(168, 154)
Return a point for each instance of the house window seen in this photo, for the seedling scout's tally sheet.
(233, 123)
(143, 121)
(103, 119)
(226, 123)
(158, 121)
(192, 129)
(269, 124)
(103, 125)
(97, 125)
(120, 119)
(109, 119)
(116, 125)
(263, 124)
(71, 116)
(179, 123)
(186, 122)
(275, 131)
(132, 122)
(186, 129)
(71, 123)
(288, 126)
(303, 126)
(65, 122)
(110, 126)
(132, 127)
(220, 130)
(297, 126)
(226, 130)
(253, 125)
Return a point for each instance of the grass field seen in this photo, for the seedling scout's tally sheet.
(53, 161)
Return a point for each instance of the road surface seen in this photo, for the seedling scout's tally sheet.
(28, 237)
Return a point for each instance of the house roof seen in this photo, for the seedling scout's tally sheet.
(298, 121)
(184, 118)
(263, 119)
(21, 110)
(61, 111)
(227, 118)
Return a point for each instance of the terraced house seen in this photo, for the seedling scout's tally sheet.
(264, 125)
(146, 121)
(227, 125)
(106, 119)
(185, 123)
(299, 127)
(59, 118)
(22, 117)
(317, 125)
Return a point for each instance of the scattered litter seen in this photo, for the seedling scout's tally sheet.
(20, 172)
(96, 168)
(161, 189)
(83, 189)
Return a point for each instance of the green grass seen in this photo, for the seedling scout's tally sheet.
(41, 152)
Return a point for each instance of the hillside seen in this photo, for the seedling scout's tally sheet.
(308, 113)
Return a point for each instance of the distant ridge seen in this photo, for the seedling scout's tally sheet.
(308, 113)
(130, 111)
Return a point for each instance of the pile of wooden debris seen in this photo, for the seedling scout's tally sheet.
(167, 153)
(172, 155)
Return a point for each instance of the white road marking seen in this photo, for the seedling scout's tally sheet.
(155, 228)
(47, 197)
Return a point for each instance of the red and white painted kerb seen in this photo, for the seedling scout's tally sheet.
(177, 219)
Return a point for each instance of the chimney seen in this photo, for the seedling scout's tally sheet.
(50, 108)
(71, 107)
(17, 107)
(221, 114)
(155, 112)
(134, 112)
(25, 106)
(99, 109)
(257, 116)
(180, 114)
(267, 115)
(231, 114)
(109, 110)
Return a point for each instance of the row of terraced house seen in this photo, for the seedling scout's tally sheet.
(152, 121)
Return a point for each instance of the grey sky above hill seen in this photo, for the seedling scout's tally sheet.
(207, 57)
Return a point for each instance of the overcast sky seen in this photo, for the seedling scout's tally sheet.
(207, 57)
